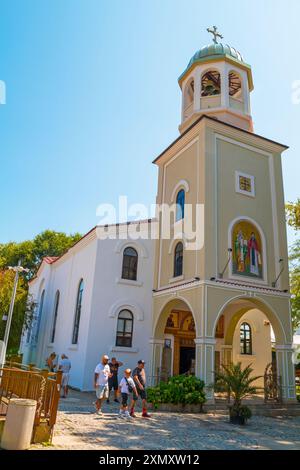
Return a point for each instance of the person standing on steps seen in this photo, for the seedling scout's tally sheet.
(139, 377)
(113, 380)
(102, 374)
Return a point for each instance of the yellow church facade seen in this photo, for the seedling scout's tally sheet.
(214, 295)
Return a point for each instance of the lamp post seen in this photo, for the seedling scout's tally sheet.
(17, 269)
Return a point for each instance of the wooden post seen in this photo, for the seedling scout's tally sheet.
(56, 398)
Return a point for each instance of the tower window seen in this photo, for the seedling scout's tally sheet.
(178, 260)
(124, 329)
(235, 85)
(244, 184)
(211, 83)
(180, 201)
(246, 339)
(130, 262)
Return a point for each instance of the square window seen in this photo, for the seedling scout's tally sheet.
(244, 184)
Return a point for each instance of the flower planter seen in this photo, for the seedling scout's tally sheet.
(236, 419)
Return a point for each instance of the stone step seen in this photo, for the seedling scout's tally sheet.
(259, 409)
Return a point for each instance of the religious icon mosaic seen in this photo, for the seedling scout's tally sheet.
(246, 250)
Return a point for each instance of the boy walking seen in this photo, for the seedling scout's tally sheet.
(126, 387)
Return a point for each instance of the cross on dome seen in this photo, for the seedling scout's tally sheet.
(215, 33)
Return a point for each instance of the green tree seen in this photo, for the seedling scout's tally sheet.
(31, 253)
(23, 309)
(293, 220)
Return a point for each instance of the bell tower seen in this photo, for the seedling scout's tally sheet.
(217, 82)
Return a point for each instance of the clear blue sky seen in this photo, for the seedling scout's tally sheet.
(92, 98)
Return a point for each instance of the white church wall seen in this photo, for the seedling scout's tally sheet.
(111, 295)
(67, 274)
(99, 264)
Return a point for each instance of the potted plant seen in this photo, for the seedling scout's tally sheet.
(239, 383)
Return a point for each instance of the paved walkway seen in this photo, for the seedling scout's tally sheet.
(78, 427)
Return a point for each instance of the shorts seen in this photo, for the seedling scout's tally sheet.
(113, 383)
(102, 391)
(65, 379)
(124, 398)
(141, 393)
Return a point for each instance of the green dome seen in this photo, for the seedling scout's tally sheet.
(214, 51)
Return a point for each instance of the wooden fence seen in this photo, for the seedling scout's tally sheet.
(17, 380)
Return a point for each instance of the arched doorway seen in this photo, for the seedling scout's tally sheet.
(247, 330)
(174, 336)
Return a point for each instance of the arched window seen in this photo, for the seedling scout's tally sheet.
(77, 313)
(235, 86)
(124, 329)
(130, 262)
(33, 331)
(211, 83)
(56, 303)
(180, 201)
(246, 338)
(178, 259)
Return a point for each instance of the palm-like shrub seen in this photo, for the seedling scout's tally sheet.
(239, 383)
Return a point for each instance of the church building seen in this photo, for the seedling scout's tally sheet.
(184, 305)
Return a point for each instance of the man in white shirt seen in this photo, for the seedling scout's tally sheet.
(65, 366)
(102, 374)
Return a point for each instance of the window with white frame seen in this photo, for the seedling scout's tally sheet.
(244, 184)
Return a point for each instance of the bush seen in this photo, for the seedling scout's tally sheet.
(242, 411)
(180, 389)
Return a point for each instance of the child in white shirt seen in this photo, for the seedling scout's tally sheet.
(126, 386)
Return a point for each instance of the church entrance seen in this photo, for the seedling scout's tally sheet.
(187, 360)
(179, 347)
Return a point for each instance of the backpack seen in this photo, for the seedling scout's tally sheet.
(130, 389)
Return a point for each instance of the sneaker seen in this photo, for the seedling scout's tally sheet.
(121, 414)
(132, 414)
(115, 400)
(99, 412)
(107, 401)
(127, 415)
(146, 415)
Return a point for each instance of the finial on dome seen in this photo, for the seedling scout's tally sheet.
(215, 33)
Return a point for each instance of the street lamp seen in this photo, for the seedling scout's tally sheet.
(17, 269)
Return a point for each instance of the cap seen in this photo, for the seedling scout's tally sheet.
(141, 361)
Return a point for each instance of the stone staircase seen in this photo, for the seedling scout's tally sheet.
(257, 408)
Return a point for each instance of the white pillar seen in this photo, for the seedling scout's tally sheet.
(224, 87)
(197, 90)
(246, 94)
(156, 349)
(286, 370)
(205, 363)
